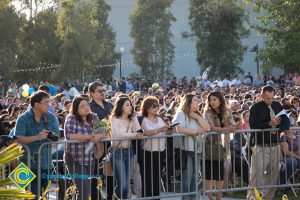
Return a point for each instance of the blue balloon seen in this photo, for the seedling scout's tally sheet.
(31, 90)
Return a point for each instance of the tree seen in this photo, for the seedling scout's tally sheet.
(9, 30)
(77, 33)
(150, 28)
(104, 46)
(38, 47)
(218, 26)
(47, 41)
(88, 40)
(280, 23)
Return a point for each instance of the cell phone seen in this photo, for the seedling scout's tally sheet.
(173, 125)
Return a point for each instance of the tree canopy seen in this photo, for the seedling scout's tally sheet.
(219, 26)
(280, 23)
(153, 50)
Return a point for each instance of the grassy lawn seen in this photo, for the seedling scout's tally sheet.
(242, 195)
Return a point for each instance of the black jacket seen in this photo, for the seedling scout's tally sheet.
(260, 118)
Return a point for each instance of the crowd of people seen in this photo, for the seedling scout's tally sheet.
(137, 108)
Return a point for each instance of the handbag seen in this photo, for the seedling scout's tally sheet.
(214, 150)
(106, 164)
(99, 150)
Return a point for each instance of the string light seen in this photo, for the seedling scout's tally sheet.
(126, 64)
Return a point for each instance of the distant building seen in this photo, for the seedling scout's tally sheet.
(185, 58)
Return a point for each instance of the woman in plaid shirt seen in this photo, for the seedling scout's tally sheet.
(123, 125)
(79, 126)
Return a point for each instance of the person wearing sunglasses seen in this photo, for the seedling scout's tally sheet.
(103, 109)
(153, 150)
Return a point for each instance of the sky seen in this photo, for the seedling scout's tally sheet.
(41, 6)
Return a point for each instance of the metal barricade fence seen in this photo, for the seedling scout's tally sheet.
(261, 159)
(152, 168)
(163, 170)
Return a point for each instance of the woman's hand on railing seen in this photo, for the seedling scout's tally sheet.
(201, 132)
(139, 135)
(97, 138)
(233, 129)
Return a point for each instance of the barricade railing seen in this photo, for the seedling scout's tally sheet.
(160, 167)
(180, 173)
(256, 153)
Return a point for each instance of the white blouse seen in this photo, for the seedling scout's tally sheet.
(155, 144)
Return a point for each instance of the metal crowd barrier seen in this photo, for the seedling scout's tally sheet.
(233, 153)
(150, 174)
(172, 173)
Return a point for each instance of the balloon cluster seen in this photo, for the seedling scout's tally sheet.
(27, 90)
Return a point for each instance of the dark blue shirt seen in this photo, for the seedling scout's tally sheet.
(101, 112)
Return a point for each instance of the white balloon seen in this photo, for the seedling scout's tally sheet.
(25, 87)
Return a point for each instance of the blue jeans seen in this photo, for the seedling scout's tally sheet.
(122, 164)
(189, 181)
(291, 165)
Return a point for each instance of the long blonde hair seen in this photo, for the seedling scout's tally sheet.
(185, 104)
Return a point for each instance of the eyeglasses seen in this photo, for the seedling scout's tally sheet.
(45, 102)
(100, 91)
(155, 106)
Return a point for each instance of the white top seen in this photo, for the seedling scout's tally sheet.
(187, 143)
(124, 129)
(73, 92)
(158, 144)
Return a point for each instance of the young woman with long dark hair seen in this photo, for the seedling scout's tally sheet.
(221, 121)
(124, 124)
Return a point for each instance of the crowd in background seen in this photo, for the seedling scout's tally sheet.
(192, 103)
